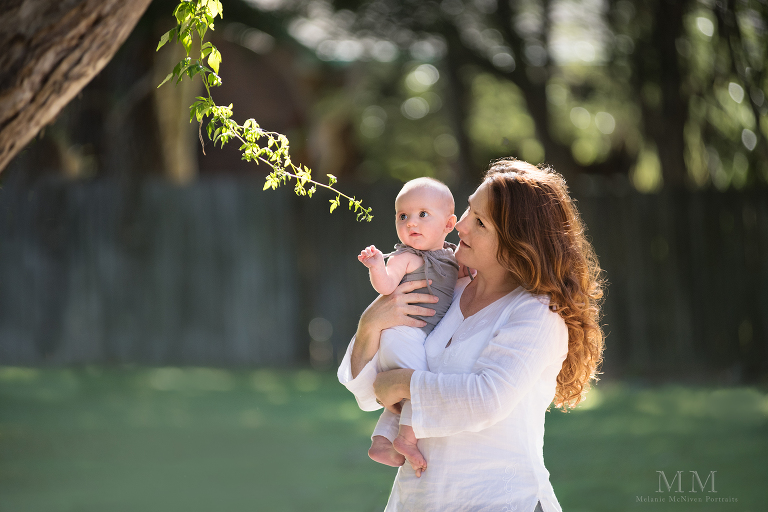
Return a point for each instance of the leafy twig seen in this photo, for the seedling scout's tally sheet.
(195, 18)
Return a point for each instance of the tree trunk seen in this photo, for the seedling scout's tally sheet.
(51, 50)
(178, 137)
(669, 135)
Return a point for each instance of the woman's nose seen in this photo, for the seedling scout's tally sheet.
(460, 226)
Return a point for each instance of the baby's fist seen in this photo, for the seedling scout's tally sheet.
(371, 256)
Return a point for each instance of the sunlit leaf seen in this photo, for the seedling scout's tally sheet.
(214, 59)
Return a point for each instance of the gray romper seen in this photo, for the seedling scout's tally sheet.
(441, 267)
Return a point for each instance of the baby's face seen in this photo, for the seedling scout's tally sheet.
(423, 218)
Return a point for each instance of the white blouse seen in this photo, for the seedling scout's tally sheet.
(479, 412)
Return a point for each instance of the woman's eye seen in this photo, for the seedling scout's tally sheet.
(480, 223)
(423, 214)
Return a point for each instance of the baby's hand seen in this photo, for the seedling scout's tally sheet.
(371, 257)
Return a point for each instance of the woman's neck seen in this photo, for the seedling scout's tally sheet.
(494, 282)
(488, 287)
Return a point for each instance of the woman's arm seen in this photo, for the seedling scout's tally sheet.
(384, 312)
(392, 387)
(531, 343)
(358, 369)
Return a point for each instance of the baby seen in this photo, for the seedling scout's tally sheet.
(424, 216)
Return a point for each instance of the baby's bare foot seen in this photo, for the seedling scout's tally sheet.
(405, 443)
(383, 452)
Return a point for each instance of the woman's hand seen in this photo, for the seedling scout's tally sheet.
(392, 387)
(385, 312)
(393, 309)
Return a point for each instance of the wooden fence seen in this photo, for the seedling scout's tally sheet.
(221, 273)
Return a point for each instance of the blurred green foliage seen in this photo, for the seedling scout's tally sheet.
(202, 439)
(666, 93)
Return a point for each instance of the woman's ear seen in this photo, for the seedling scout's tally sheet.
(450, 224)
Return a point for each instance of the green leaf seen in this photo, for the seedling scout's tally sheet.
(334, 204)
(213, 8)
(214, 59)
(170, 75)
(184, 11)
(164, 39)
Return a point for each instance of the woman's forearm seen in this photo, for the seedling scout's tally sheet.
(366, 346)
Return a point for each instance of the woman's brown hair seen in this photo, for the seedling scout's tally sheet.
(542, 243)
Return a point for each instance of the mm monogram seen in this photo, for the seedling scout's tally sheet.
(695, 480)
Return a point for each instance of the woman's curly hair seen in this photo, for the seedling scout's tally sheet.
(543, 244)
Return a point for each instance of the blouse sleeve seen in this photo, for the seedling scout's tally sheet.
(507, 368)
(362, 385)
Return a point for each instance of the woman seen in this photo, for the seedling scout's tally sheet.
(522, 335)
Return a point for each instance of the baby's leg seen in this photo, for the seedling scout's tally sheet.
(405, 442)
(381, 449)
(403, 347)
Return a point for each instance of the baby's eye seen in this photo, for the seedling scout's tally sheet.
(403, 216)
(423, 214)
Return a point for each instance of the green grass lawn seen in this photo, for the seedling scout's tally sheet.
(188, 440)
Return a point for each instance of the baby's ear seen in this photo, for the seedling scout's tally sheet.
(451, 223)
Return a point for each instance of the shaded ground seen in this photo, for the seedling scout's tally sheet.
(193, 440)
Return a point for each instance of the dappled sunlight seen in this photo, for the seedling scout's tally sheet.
(252, 418)
(190, 379)
(17, 374)
(593, 400)
(349, 411)
(38, 385)
(306, 381)
(273, 388)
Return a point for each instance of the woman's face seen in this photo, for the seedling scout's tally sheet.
(479, 241)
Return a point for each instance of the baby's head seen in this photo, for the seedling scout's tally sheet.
(424, 214)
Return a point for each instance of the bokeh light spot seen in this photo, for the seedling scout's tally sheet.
(749, 139)
(320, 329)
(580, 117)
(736, 91)
(605, 122)
(446, 145)
(415, 108)
(705, 26)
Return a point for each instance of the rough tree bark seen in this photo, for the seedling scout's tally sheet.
(51, 50)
